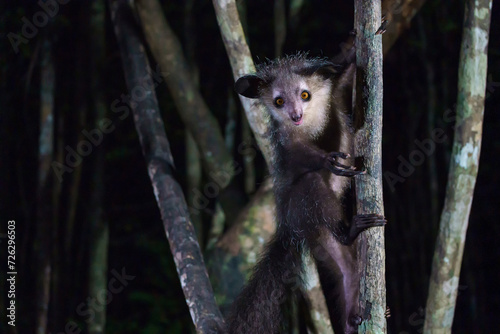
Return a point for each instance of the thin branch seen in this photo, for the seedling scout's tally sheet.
(179, 230)
(463, 168)
(241, 62)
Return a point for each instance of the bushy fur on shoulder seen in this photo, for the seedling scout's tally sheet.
(295, 63)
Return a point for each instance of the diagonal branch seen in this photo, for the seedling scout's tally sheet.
(241, 62)
(155, 146)
(191, 106)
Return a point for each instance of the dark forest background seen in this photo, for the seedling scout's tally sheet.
(420, 85)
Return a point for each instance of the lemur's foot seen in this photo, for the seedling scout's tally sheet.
(362, 222)
(369, 220)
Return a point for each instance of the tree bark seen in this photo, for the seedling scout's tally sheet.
(368, 123)
(192, 108)
(463, 168)
(233, 256)
(179, 230)
(242, 63)
(320, 316)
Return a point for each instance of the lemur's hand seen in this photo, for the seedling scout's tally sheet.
(340, 169)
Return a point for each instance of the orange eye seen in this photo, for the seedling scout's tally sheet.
(279, 101)
(305, 95)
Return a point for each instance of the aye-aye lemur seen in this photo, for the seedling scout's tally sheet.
(308, 101)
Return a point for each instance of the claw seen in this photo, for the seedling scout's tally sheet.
(338, 164)
(340, 154)
(344, 172)
(340, 169)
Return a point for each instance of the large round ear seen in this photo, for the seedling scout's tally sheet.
(324, 68)
(248, 86)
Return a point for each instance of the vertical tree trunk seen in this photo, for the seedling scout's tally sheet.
(44, 224)
(193, 158)
(293, 16)
(463, 168)
(99, 230)
(368, 122)
(279, 26)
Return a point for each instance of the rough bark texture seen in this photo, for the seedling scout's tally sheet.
(368, 123)
(179, 230)
(242, 63)
(194, 112)
(320, 316)
(463, 168)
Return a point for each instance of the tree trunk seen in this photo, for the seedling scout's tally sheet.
(156, 149)
(368, 123)
(463, 168)
(99, 229)
(43, 244)
(191, 106)
(241, 61)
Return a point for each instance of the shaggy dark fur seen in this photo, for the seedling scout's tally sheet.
(307, 100)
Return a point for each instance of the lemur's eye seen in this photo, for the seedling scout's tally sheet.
(279, 101)
(305, 95)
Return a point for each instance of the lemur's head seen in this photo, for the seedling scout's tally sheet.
(296, 90)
